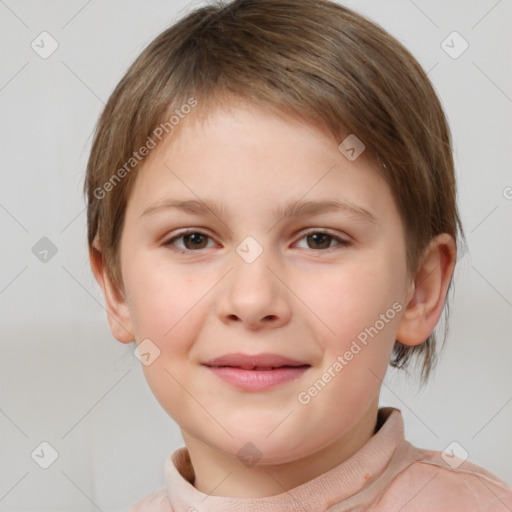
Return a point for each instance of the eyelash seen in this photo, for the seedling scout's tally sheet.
(170, 242)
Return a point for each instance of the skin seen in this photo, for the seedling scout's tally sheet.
(305, 298)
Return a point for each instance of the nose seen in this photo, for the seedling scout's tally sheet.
(254, 294)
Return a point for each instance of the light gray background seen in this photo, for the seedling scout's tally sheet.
(65, 380)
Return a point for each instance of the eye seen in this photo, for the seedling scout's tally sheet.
(322, 240)
(192, 240)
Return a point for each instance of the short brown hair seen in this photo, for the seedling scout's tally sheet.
(313, 58)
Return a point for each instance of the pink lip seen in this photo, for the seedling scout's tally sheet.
(256, 380)
(249, 361)
(240, 370)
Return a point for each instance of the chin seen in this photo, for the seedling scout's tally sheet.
(260, 448)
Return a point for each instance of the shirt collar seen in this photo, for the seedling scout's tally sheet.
(354, 482)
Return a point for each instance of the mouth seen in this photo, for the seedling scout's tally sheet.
(263, 362)
(258, 368)
(256, 372)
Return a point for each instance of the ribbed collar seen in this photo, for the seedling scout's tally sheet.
(354, 483)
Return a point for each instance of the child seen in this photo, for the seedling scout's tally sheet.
(241, 138)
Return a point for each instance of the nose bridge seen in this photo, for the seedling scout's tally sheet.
(251, 268)
(252, 293)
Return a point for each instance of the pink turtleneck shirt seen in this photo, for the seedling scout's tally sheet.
(388, 474)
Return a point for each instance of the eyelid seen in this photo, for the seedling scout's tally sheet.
(184, 232)
(343, 241)
(325, 231)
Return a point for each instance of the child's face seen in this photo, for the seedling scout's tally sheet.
(304, 297)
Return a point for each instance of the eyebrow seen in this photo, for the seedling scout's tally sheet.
(294, 209)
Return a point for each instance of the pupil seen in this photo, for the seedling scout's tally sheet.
(195, 238)
(322, 236)
(321, 239)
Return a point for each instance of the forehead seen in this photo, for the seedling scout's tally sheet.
(248, 155)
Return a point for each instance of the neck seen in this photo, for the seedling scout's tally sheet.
(218, 474)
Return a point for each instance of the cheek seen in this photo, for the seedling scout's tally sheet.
(358, 315)
(162, 299)
(351, 298)
(164, 309)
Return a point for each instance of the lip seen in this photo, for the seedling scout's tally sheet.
(250, 361)
(256, 372)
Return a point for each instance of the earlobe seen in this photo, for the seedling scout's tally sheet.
(118, 312)
(428, 294)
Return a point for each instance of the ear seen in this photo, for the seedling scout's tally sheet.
(428, 291)
(118, 312)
